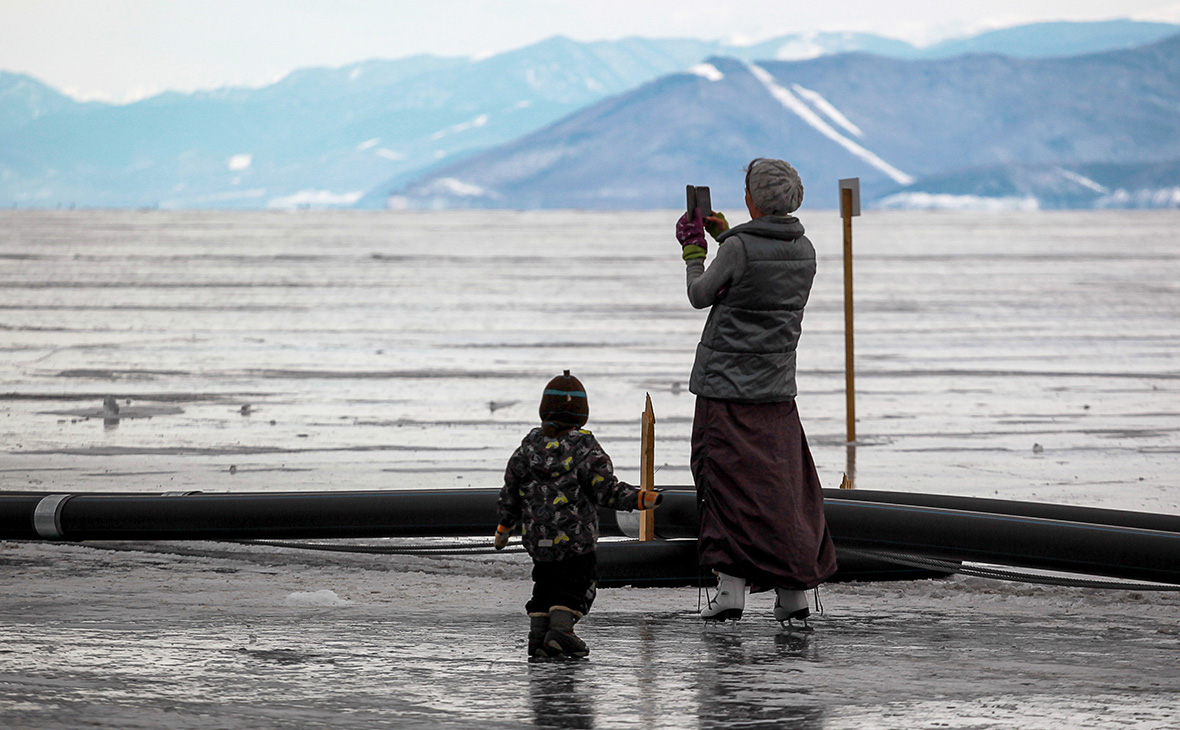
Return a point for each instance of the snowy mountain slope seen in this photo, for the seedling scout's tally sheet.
(639, 149)
(1045, 186)
(347, 136)
(331, 133)
(887, 121)
(24, 99)
(1055, 39)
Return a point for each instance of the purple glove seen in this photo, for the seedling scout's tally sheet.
(691, 235)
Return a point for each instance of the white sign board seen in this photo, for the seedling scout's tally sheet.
(853, 184)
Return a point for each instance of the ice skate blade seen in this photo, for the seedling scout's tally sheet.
(781, 615)
(556, 658)
(723, 616)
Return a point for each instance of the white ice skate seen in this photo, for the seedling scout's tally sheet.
(729, 601)
(791, 605)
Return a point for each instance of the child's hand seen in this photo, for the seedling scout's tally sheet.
(649, 498)
(501, 537)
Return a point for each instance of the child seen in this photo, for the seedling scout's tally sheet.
(553, 487)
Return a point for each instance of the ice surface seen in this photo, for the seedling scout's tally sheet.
(377, 351)
(205, 635)
(323, 598)
(371, 346)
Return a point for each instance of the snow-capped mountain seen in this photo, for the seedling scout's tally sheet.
(347, 136)
(899, 125)
(320, 136)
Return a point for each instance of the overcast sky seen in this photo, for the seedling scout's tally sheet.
(120, 50)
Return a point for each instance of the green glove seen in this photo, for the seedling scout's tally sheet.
(716, 227)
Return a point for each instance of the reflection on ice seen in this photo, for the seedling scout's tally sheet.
(204, 636)
(558, 695)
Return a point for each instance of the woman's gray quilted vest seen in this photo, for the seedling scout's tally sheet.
(747, 350)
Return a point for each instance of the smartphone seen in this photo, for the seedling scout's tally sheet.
(697, 196)
(703, 202)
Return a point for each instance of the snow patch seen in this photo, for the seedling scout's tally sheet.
(240, 162)
(453, 186)
(801, 48)
(706, 71)
(368, 144)
(354, 74)
(828, 109)
(1141, 199)
(479, 121)
(1083, 181)
(316, 198)
(794, 104)
(315, 599)
(390, 154)
(943, 201)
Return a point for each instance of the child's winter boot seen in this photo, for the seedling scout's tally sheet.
(729, 601)
(538, 627)
(790, 605)
(561, 639)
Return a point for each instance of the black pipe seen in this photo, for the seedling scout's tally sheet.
(1068, 513)
(1077, 539)
(424, 513)
(673, 563)
(1030, 542)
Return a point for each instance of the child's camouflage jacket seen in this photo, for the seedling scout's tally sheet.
(553, 487)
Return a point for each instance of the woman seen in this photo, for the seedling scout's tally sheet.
(761, 506)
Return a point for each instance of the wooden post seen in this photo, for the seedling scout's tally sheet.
(849, 207)
(647, 468)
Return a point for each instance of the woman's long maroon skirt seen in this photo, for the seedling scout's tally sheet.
(761, 504)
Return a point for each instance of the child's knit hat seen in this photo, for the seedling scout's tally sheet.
(564, 403)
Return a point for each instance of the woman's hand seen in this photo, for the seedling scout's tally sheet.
(690, 232)
(716, 224)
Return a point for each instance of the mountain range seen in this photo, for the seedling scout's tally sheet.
(1082, 108)
(911, 130)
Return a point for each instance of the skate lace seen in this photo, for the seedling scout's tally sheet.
(702, 589)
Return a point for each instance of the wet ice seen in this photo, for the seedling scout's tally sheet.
(405, 350)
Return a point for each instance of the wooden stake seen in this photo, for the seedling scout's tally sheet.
(846, 211)
(647, 468)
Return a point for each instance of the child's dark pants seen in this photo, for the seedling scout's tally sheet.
(572, 582)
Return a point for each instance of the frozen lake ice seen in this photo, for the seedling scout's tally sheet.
(201, 635)
(1030, 356)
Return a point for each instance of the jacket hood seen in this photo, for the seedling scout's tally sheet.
(555, 455)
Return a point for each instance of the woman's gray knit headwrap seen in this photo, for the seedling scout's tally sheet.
(775, 187)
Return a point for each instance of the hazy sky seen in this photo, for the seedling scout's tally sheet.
(126, 49)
